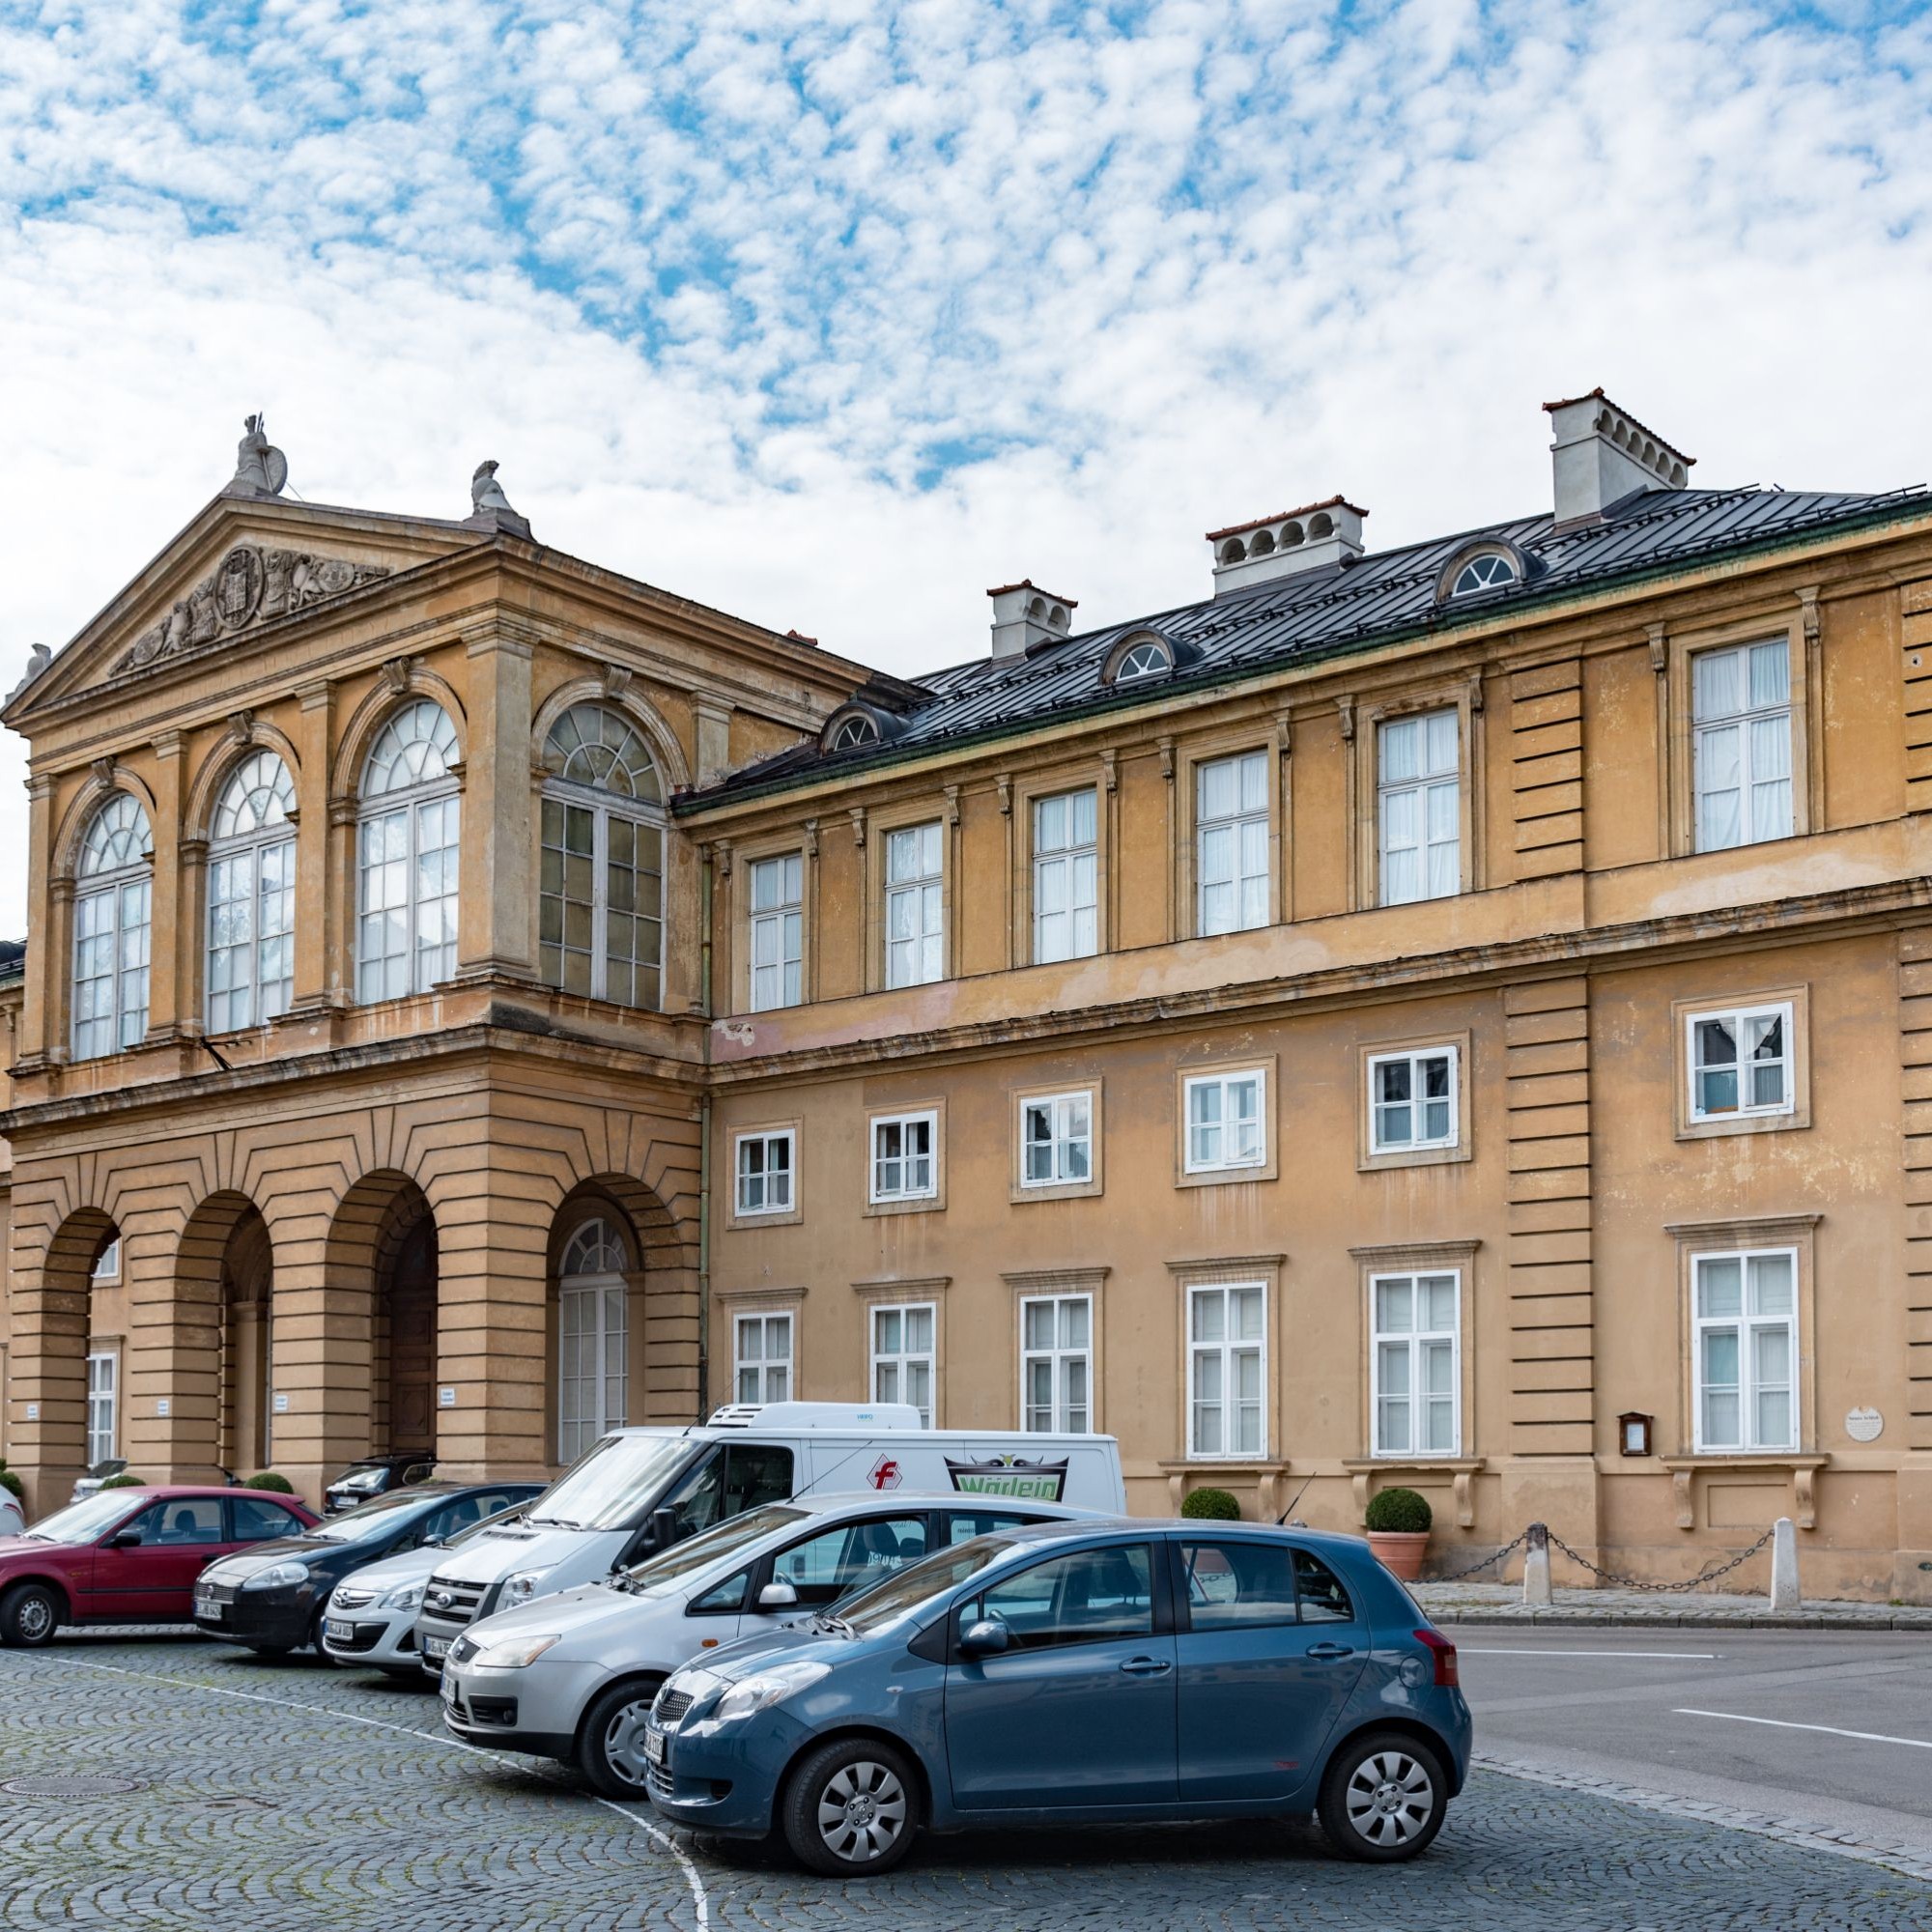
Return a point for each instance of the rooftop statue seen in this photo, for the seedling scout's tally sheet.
(38, 662)
(490, 509)
(260, 469)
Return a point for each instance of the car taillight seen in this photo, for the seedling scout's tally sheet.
(1444, 1654)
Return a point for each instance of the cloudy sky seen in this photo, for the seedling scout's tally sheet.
(835, 312)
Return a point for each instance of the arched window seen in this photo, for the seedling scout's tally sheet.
(1144, 660)
(592, 1335)
(1487, 572)
(113, 910)
(407, 855)
(601, 899)
(251, 895)
(854, 731)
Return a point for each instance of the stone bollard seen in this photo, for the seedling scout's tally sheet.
(1784, 1593)
(1536, 1566)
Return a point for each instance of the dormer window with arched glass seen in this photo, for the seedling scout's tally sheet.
(1143, 660)
(853, 732)
(407, 855)
(251, 895)
(1490, 571)
(113, 915)
(600, 909)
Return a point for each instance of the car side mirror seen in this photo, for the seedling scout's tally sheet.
(663, 1528)
(778, 1595)
(985, 1638)
(125, 1539)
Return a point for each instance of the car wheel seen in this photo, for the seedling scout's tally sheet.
(1384, 1797)
(29, 1615)
(611, 1748)
(849, 1809)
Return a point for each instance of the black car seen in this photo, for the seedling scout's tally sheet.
(377, 1476)
(271, 1598)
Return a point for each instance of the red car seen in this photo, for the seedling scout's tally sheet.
(130, 1556)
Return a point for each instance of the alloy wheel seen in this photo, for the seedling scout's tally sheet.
(624, 1741)
(37, 1618)
(861, 1811)
(1390, 1798)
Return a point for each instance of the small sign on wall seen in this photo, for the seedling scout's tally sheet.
(281, 1402)
(446, 1398)
(33, 1411)
(161, 1406)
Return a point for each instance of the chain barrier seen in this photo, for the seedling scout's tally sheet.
(1495, 1556)
(1710, 1576)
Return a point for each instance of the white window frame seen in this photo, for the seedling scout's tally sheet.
(1431, 784)
(1416, 1342)
(777, 929)
(765, 1139)
(104, 1393)
(915, 904)
(765, 1377)
(1224, 1080)
(1747, 1325)
(1739, 1016)
(1246, 877)
(1060, 1110)
(1058, 869)
(1414, 1058)
(876, 1192)
(424, 966)
(123, 895)
(1227, 1352)
(1749, 722)
(902, 1360)
(108, 1264)
(272, 838)
(1064, 1416)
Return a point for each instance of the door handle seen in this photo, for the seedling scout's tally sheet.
(1327, 1653)
(1147, 1667)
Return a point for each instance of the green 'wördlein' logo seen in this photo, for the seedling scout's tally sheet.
(1010, 1476)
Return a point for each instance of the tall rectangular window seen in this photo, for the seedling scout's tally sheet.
(777, 932)
(1413, 1100)
(592, 1346)
(905, 1158)
(1057, 1139)
(1745, 1349)
(1741, 725)
(1066, 876)
(1227, 1369)
(903, 1356)
(1225, 1123)
(599, 909)
(764, 1172)
(250, 935)
(1416, 1399)
(1419, 802)
(112, 934)
(763, 1366)
(1230, 833)
(914, 917)
(102, 1373)
(407, 900)
(1740, 1063)
(1057, 1364)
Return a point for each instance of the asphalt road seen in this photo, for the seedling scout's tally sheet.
(1832, 1730)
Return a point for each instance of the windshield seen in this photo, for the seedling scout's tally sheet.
(367, 1519)
(612, 1485)
(885, 1603)
(372, 1478)
(84, 1520)
(657, 1574)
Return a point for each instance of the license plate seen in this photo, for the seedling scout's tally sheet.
(447, 1688)
(654, 1746)
(436, 1647)
(211, 1612)
(336, 1628)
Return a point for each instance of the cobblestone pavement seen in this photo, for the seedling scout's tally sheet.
(289, 1798)
(1478, 1602)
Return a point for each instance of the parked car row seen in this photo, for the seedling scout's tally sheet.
(826, 1624)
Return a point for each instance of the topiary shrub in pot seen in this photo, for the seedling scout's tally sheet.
(1397, 1525)
(123, 1481)
(268, 1480)
(1216, 1505)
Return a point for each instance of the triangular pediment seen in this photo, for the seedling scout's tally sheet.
(242, 567)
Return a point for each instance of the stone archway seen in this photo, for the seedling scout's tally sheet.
(382, 1271)
(49, 1330)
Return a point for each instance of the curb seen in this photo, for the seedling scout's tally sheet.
(1919, 1621)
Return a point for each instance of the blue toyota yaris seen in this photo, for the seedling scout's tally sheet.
(1078, 1673)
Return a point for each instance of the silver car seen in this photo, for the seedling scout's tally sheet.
(572, 1676)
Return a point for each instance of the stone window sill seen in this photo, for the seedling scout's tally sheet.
(1463, 1469)
(1798, 1466)
(1271, 1470)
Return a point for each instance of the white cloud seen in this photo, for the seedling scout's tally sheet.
(723, 286)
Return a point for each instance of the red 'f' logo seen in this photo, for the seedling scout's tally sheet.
(886, 1473)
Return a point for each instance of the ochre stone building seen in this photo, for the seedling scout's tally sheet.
(1457, 1016)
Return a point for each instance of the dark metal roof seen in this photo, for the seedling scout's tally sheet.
(1370, 600)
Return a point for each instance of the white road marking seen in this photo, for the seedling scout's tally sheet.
(699, 1897)
(1832, 1731)
(1497, 1650)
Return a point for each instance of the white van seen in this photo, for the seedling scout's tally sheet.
(636, 1491)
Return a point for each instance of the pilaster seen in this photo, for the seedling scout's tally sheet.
(41, 960)
(1546, 768)
(499, 889)
(318, 921)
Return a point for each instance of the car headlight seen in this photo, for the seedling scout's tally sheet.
(408, 1597)
(750, 1695)
(521, 1587)
(277, 1576)
(513, 1653)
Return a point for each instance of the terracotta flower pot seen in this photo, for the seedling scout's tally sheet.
(1400, 1551)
